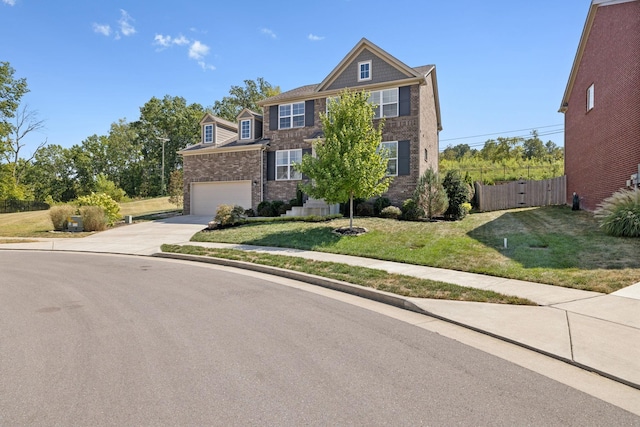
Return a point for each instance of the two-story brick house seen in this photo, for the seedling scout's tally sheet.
(257, 165)
(601, 104)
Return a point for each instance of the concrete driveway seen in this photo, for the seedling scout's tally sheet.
(143, 238)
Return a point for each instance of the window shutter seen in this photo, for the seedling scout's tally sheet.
(273, 117)
(404, 100)
(306, 151)
(404, 155)
(308, 113)
(271, 165)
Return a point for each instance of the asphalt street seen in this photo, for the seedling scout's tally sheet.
(92, 339)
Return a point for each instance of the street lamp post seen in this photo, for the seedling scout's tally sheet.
(162, 187)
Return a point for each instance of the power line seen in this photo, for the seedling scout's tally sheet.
(482, 143)
(500, 133)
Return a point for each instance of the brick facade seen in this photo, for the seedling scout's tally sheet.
(419, 125)
(420, 128)
(222, 166)
(602, 146)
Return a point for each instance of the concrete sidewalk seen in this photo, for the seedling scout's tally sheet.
(595, 331)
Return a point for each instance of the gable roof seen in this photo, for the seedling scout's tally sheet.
(210, 118)
(357, 49)
(249, 113)
(591, 16)
(315, 91)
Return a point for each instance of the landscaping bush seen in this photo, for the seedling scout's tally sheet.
(467, 207)
(430, 195)
(392, 212)
(110, 206)
(364, 209)
(457, 194)
(93, 218)
(299, 200)
(283, 208)
(411, 211)
(249, 213)
(59, 215)
(265, 209)
(277, 206)
(379, 204)
(104, 185)
(344, 207)
(619, 215)
(228, 215)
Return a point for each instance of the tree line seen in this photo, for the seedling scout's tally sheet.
(128, 158)
(505, 159)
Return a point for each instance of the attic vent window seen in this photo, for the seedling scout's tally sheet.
(590, 98)
(364, 71)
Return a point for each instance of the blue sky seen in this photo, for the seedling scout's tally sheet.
(502, 65)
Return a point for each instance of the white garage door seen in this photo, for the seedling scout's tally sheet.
(207, 196)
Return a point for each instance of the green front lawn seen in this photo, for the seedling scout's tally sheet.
(38, 223)
(551, 245)
(377, 279)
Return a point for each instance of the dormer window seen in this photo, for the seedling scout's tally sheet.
(364, 71)
(208, 134)
(245, 129)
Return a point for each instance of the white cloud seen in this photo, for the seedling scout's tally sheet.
(206, 66)
(125, 23)
(315, 38)
(181, 40)
(103, 29)
(9, 2)
(268, 32)
(168, 41)
(198, 50)
(160, 40)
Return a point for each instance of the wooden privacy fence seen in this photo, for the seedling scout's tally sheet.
(520, 194)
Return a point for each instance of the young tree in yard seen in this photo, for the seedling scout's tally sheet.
(176, 191)
(348, 163)
(457, 194)
(430, 194)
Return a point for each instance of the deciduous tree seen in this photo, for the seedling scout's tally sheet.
(244, 97)
(349, 162)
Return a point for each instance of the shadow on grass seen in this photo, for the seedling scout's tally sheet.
(309, 239)
(549, 238)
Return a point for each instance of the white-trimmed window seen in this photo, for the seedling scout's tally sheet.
(331, 100)
(364, 71)
(386, 103)
(291, 115)
(245, 129)
(590, 98)
(208, 134)
(391, 149)
(285, 161)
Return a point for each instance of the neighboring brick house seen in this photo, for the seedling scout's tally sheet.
(601, 104)
(259, 167)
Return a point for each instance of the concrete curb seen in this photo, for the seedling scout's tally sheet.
(337, 285)
(378, 296)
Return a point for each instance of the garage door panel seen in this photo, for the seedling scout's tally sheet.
(207, 196)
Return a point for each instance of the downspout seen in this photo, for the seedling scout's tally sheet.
(264, 148)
